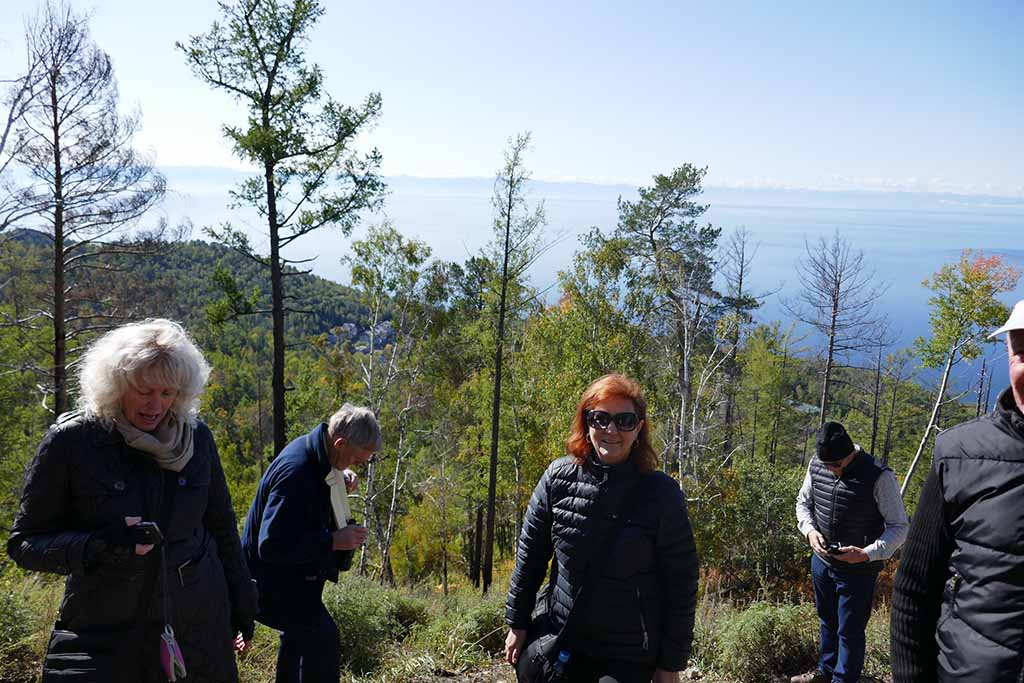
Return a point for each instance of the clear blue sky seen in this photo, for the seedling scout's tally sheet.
(916, 96)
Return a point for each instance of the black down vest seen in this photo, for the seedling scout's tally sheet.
(641, 606)
(844, 507)
(980, 464)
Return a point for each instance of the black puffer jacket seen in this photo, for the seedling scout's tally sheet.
(958, 603)
(85, 479)
(642, 606)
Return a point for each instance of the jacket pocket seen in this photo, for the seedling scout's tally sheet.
(105, 498)
(191, 495)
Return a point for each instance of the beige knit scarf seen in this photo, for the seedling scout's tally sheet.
(170, 444)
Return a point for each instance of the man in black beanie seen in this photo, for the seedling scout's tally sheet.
(850, 509)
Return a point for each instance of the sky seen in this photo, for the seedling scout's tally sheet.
(838, 96)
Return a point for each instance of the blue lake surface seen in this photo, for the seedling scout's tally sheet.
(905, 237)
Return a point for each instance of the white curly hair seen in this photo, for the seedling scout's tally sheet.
(154, 351)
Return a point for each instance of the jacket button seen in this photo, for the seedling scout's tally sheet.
(119, 486)
(182, 481)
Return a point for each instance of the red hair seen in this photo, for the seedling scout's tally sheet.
(612, 386)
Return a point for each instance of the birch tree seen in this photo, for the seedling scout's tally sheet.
(964, 308)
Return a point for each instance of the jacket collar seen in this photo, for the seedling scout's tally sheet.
(603, 472)
(1006, 406)
(315, 445)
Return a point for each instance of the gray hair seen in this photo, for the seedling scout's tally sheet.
(154, 351)
(357, 425)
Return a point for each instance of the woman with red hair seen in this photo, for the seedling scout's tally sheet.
(625, 564)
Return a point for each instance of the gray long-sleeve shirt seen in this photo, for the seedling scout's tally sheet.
(890, 505)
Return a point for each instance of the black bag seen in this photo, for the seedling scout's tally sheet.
(542, 641)
(536, 662)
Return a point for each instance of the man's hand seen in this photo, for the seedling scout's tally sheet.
(817, 542)
(851, 554)
(662, 676)
(349, 538)
(241, 644)
(351, 481)
(514, 642)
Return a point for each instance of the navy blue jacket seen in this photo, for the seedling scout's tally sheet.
(287, 537)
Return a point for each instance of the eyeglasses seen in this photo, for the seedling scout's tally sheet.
(600, 419)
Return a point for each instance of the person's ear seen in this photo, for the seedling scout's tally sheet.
(339, 441)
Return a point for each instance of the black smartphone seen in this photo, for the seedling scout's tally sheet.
(146, 533)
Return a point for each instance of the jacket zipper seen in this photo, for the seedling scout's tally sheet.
(957, 579)
(832, 514)
(643, 622)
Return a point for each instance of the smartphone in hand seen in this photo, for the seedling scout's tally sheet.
(146, 533)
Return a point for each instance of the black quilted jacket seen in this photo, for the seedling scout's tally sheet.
(84, 479)
(641, 606)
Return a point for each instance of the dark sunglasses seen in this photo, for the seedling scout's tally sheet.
(600, 419)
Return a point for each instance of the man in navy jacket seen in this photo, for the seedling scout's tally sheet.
(294, 543)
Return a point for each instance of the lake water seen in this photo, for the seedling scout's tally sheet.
(905, 237)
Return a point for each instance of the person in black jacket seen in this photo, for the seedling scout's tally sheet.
(136, 452)
(958, 601)
(634, 621)
(298, 535)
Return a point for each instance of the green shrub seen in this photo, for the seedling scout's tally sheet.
(765, 640)
(712, 615)
(471, 630)
(371, 619)
(876, 656)
(27, 610)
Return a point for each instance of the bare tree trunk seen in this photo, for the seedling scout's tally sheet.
(444, 526)
(387, 573)
(492, 480)
(931, 421)
(478, 545)
(277, 310)
(753, 429)
(988, 392)
(59, 329)
(981, 388)
(892, 416)
(877, 400)
(773, 447)
(803, 455)
(829, 359)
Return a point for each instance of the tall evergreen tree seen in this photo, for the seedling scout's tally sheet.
(300, 137)
(667, 256)
(82, 178)
(517, 230)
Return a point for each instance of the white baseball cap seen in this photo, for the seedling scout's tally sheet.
(1014, 322)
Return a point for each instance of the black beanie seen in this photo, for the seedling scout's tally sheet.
(833, 442)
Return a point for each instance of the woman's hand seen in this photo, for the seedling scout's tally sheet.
(662, 676)
(140, 548)
(514, 642)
